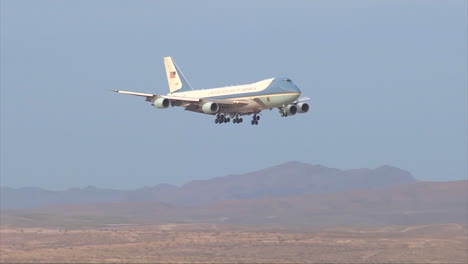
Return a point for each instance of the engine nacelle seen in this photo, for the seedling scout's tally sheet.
(291, 110)
(302, 107)
(210, 108)
(161, 103)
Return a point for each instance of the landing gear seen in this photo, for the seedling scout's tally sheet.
(283, 112)
(237, 119)
(220, 118)
(255, 120)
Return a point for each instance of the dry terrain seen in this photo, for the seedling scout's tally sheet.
(212, 243)
(421, 203)
(289, 214)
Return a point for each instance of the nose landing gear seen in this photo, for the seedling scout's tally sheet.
(283, 112)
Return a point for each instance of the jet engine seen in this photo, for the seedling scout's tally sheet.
(161, 103)
(210, 108)
(290, 110)
(302, 107)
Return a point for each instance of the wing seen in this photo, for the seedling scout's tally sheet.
(190, 103)
(301, 99)
(149, 97)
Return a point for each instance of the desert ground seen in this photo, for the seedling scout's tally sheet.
(212, 243)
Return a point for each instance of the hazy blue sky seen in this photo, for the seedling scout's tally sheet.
(388, 82)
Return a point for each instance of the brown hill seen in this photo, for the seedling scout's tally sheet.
(291, 178)
(411, 204)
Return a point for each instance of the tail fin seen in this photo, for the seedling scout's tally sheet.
(175, 78)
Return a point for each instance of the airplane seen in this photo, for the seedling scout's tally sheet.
(231, 101)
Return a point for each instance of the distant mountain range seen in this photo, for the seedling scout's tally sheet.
(418, 203)
(293, 195)
(288, 179)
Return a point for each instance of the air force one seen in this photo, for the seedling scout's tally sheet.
(230, 102)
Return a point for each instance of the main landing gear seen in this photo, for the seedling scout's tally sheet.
(237, 119)
(220, 118)
(255, 120)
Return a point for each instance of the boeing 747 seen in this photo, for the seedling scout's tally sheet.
(230, 102)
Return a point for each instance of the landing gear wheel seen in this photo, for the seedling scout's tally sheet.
(255, 119)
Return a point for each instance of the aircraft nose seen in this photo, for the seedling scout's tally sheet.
(294, 88)
(290, 86)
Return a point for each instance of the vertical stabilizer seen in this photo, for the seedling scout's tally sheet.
(175, 78)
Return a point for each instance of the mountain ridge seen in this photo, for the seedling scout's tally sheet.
(291, 178)
(416, 203)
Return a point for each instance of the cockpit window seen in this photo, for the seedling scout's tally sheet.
(287, 80)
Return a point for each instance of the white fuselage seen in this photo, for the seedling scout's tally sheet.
(265, 94)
